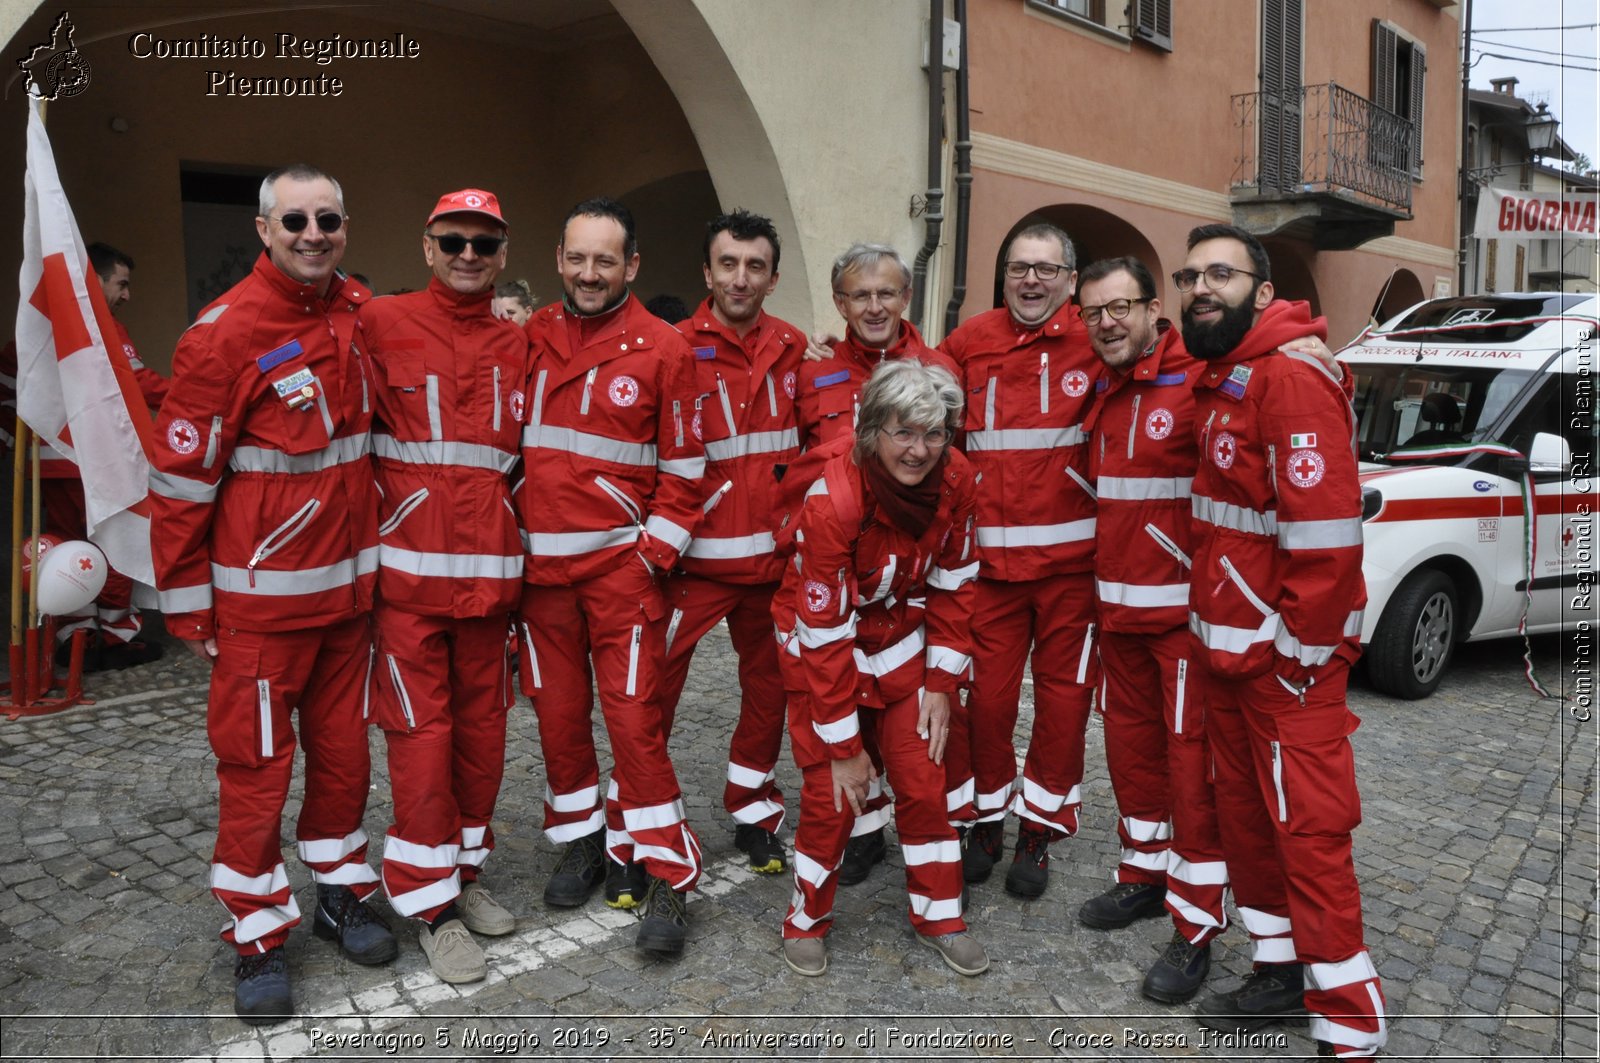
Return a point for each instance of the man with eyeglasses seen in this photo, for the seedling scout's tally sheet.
(745, 363)
(1030, 377)
(610, 496)
(1276, 599)
(265, 541)
(871, 289)
(448, 377)
(1142, 459)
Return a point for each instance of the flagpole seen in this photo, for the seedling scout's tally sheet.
(19, 481)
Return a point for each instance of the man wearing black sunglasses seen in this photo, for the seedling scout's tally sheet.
(449, 376)
(265, 541)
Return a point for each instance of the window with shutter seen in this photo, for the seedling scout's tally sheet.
(1399, 73)
(1282, 93)
(1152, 23)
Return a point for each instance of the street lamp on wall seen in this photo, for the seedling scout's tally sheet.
(1541, 131)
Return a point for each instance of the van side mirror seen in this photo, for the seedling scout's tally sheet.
(1550, 453)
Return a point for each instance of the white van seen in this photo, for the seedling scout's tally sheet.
(1462, 402)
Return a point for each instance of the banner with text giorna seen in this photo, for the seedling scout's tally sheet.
(1507, 212)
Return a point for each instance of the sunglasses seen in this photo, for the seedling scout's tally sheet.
(455, 243)
(296, 221)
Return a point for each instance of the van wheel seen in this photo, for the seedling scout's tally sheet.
(1414, 637)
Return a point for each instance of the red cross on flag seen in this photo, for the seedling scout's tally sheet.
(78, 399)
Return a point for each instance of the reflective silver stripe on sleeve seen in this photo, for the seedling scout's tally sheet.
(814, 637)
(658, 527)
(688, 468)
(338, 452)
(450, 566)
(192, 599)
(1236, 518)
(1024, 438)
(948, 660)
(741, 446)
(570, 544)
(952, 579)
(181, 488)
(1315, 656)
(1144, 488)
(1319, 534)
(213, 443)
(758, 545)
(1141, 596)
(272, 583)
(571, 441)
(838, 731)
(1037, 534)
(441, 452)
(889, 658)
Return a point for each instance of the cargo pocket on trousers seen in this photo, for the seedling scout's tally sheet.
(1314, 771)
(239, 713)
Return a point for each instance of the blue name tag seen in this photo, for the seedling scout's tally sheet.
(279, 356)
(705, 354)
(832, 378)
(1167, 379)
(1231, 387)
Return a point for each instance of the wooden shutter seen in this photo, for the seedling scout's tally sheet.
(1281, 93)
(1152, 23)
(1384, 44)
(1419, 70)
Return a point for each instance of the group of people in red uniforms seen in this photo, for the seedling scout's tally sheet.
(387, 511)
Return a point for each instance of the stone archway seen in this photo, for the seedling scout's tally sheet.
(1291, 274)
(1095, 234)
(1401, 291)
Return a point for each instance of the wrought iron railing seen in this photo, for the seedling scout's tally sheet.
(1323, 139)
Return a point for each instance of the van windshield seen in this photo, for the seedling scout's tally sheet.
(1415, 405)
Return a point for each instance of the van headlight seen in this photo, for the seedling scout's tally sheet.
(1371, 502)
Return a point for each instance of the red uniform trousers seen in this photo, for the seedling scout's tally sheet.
(927, 840)
(257, 680)
(751, 794)
(443, 693)
(1055, 617)
(1153, 701)
(112, 613)
(1286, 805)
(615, 617)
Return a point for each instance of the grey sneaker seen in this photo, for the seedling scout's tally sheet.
(482, 913)
(807, 956)
(960, 952)
(452, 953)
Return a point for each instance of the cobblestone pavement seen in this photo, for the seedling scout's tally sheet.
(1477, 859)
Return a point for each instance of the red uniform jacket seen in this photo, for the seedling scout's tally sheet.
(263, 509)
(612, 465)
(869, 615)
(1142, 460)
(1276, 583)
(448, 381)
(830, 390)
(746, 417)
(1028, 392)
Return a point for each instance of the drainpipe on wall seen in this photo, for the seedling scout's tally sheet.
(935, 205)
(958, 291)
(1466, 220)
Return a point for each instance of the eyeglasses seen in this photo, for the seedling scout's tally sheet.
(455, 243)
(862, 300)
(933, 438)
(1045, 271)
(1217, 277)
(1116, 310)
(296, 221)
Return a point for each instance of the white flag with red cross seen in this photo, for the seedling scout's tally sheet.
(70, 391)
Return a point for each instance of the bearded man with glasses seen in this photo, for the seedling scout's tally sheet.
(265, 542)
(449, 378)
(1030, 377)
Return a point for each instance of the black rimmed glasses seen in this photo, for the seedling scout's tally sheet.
(1045, 271)
(1116, 310)
(455, 243)
(1217, 276)
(295, 221)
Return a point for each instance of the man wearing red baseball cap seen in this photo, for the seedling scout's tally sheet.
(447, 408)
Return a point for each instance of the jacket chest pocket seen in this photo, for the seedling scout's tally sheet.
(301, 418)
(412, 404)
(714, 413)
(837, 401)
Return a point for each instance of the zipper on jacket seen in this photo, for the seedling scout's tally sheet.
(1205, 429)
(322, 408)
(727, 406)
(1166, 543)
(1277, 782)
(281, 535)
(1044, 381)
(844, 597)
(264, 714)
(1133, 424)
(497, 398)
(772, 395)
(435, 418)
(988, 403)
(588, 386)
(1272, 466)
(1244, 588)
(536, 412)
(716, 496)
(1081, 482)
(402, 511)
(621, 498)
(403, 696)
(672, 628)
(213, 444)
(677, 422)
(533, 656)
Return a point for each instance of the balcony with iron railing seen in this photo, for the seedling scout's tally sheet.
(1322, 164)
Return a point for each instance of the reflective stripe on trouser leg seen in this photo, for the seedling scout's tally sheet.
(1002, 632)
(1066, 672)
(1347, 1005)
(556, 636)
(1136, 755)
(960, 784)
(928, 842)
(819, 841)
(757, 739)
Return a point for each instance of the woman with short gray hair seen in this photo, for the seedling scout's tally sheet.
(875, 617)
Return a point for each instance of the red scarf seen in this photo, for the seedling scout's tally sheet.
(909, 507)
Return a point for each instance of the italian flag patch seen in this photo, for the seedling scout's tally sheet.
(1303, 442)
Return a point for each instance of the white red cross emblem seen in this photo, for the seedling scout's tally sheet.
(182, 436)
(788, 384)
(85, 563)
(1075, 383)
(818, 595)
(694, 425)
(1305, 468)
(1223, 449)
(518, 404)
(1159, 424)
(624, 390)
